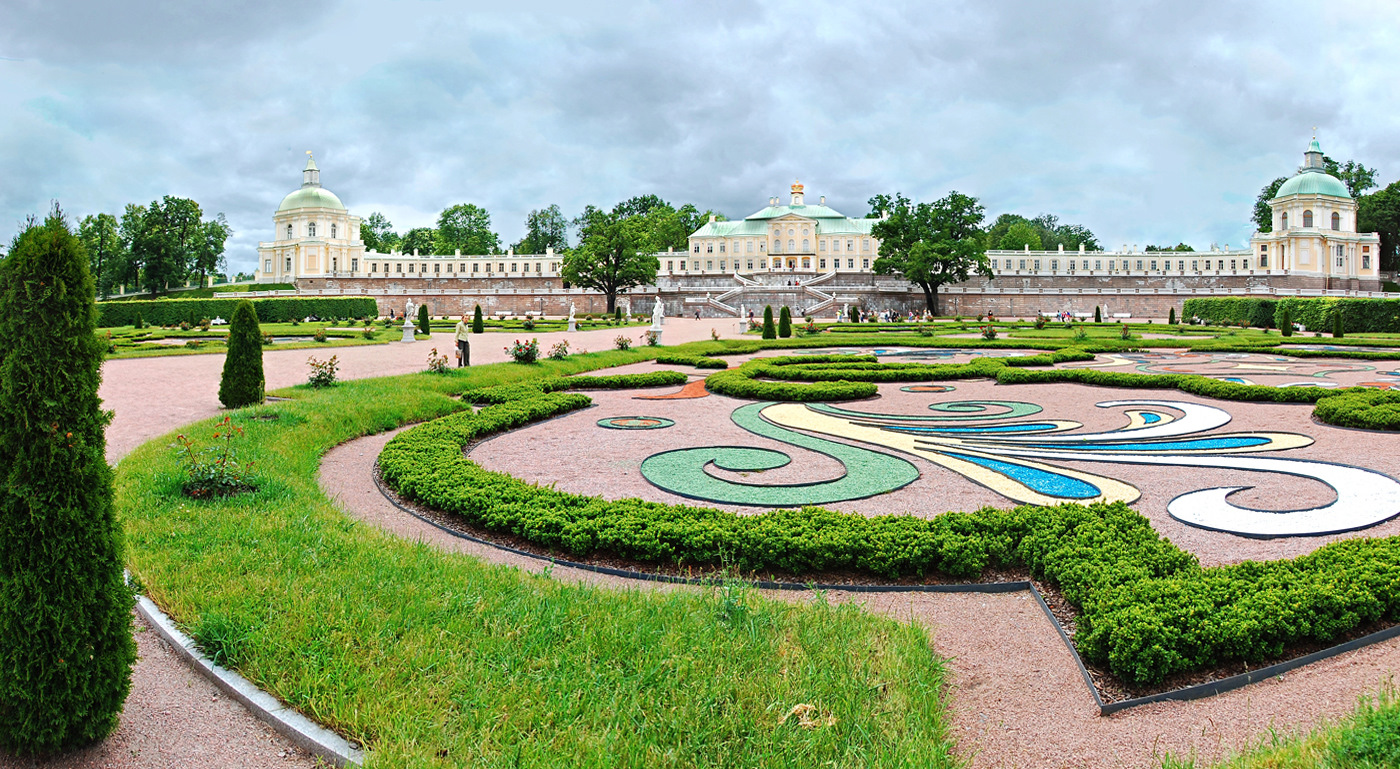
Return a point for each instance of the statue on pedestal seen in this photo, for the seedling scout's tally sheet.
(658, 315)
(573, 325)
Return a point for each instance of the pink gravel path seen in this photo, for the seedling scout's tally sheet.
(1016, 697)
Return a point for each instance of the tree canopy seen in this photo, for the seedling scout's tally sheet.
(1051, 233)
(615, 251)
(545, 228)
(466, 227)
(378, 234)
(1178, 247)
(1019, 236)
(930, 244)
(101, 235)
(1380, 212)
(424, 240)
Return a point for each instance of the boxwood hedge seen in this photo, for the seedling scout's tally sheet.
(1147, 610)
(170, 312)
(1361, 407)
(1315, 313)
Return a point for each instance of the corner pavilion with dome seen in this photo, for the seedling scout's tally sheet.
(314, 234)
(1314, 229)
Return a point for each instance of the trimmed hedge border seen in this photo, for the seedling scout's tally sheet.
(1315, 313)
(1361, 407)
(1147, 609)
(170, 312)
(529, 388)
(698, 361)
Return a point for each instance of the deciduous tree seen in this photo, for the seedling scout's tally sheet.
(421, 239)
(466, 227)
(101, 235)
(377, 233)
(930, 244)
(612, 254)
(545, 228)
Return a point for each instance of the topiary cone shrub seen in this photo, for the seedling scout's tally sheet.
(423, 320)
(1285, 320)
(1171, 316)
(1098, 314)
(66, 648)
(1338, 324)
(855, 315)
(784, 322)
(242, 383)
(769, 330)
(478, 325)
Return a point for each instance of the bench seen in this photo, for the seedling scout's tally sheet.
(1084, 315)
(1122, 315)
(503, 313)
(533, 314)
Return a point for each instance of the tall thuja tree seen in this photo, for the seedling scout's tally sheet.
(478, 325)
(784, 322)
(769, 330)
(66, 647)
(242, 383)
(423, 319)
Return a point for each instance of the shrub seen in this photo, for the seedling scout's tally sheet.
(320, 335)
(323, 372)
(1338, 325)
(854, 314)
(528, 324)
(559, 351)
(617, 314)
(698, 361)
(622, 342)
(170, 312)
(139, 322)
(1039, 322)
(214, 471)
(1360, 407)
(652, 338)
(1098, 314)
(242, 382)
(1285, 319)
(784, 323)
(524, 352)
(989, 332)
(1171, 315)
(437, 364)
(66, 646)
(367, 333)
(770, 331)
(1124, 333)
(714, 335)
(424, 327)
(478, 325)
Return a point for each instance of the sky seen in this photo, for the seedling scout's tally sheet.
(1148, 122)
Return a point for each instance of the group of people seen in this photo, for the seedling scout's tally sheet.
(888, 316)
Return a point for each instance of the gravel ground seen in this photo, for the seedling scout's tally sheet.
(1016, 697)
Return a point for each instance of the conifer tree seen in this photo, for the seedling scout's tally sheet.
(66, 647)
(1285, 320)
(1098, 314)
(784, 322)
(1338, 324)
(855, 314)
(423, 319)
(478, 325)
(769, 330)
(242, 383)
(1171, 316)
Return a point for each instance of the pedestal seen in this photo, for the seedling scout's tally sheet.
(573, 324)
(655, 331)
(407, 330)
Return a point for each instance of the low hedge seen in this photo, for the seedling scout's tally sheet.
(1189, 383)
(1361, 407)
(1315, 313)
(1147, 610)
(506, 393)
(698, 361)
(170, 312)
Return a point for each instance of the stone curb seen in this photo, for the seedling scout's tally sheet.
(302, 731)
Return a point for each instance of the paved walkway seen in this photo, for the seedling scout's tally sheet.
(174, 717)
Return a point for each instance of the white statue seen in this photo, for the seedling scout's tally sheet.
(845, 311)
(571, 312)
(627, 309)
(409, 309)
(657, 314)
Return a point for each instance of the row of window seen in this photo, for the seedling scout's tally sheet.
(311, 230)
(422, 268)
(1308, 220)
(865, 245)
(778, 264)
(1123, 264)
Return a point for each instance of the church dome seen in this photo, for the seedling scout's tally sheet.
(1312, 182)
(311, 197)
(311, 194)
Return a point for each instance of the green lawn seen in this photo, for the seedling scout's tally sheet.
(434, 659)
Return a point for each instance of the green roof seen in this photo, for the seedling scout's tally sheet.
(811, 212)
(1315, 147)
(1313, 181)
(311, 197)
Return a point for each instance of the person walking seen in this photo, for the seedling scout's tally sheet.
(464, 347)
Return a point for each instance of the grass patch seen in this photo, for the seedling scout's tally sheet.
(434, 659)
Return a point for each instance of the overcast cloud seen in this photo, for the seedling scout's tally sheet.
(1147, 122)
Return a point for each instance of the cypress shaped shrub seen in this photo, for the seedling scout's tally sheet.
(478, 325)
(1098, 314)
(423, 319)
(1285, 319)
(66, 648)
(242, 383)
(1171, 316)
(769, 330)
(855, 315)
(784, 322)
(1338, 324)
